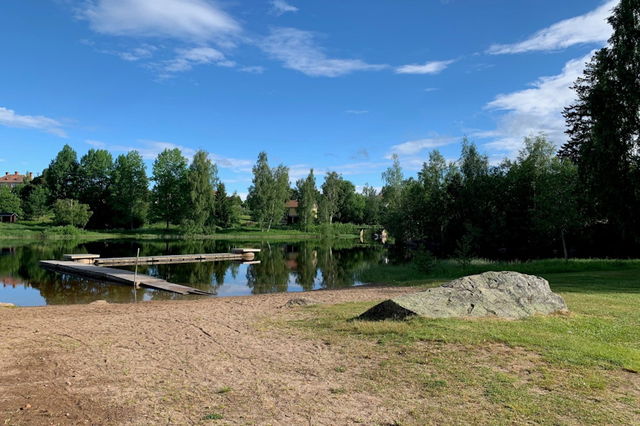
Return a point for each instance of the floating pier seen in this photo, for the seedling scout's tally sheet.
(90, 266)
(101, 273)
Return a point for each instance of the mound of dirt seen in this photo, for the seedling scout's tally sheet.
(508, 295)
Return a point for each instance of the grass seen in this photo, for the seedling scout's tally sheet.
(410, 274)
(47, 230)
(579, 368)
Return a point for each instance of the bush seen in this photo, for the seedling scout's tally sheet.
(71, 212)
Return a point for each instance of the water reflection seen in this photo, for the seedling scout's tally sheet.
(300, 266)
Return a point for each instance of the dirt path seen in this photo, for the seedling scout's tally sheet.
(179, 363)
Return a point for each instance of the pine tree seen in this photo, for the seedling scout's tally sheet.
(202, 179)
(62, 174)
(604, 125)
(129, 191)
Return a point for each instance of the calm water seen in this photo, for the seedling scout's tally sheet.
(292, 267)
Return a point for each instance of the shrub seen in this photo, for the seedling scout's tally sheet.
(71, 212)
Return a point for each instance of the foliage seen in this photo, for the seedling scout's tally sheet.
(308, 201)
(62, 174)
(168, 194)
(129, 191)
(94, 183)
(35, 202)
(604, 128)
(268, 193)
(224, 207)
(71, 212)
(202, 178)
(9, 201)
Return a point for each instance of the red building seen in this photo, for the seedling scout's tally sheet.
(14, 179)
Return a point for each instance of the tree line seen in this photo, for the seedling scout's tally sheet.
(100, 192)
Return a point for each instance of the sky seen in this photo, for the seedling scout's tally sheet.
(330, 85)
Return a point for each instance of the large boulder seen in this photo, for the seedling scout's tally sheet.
(493, 294)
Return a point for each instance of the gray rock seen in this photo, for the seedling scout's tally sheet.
(7, 305)
(300, 301)
(493, 294)
(99, 302)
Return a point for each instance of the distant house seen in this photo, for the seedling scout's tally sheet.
(8, 217)
(291, 215)
(14, 179)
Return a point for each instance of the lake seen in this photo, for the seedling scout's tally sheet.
(283, 267)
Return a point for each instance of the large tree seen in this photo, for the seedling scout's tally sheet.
(604, 126)
(331, 192)
(62, 175)
(268, 193)
(308, 200)
(202, 180)
(9, 201)
(94, 181)
(224, 207)
(169, 192)
(129, 191)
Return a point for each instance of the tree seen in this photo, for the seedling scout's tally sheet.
(281, 192)
(268, 193)
(129, 191)
(202, 178)
(371, 214)
(331, 196)
(94, 181)
(168, 194)
(392, 179)
(61, 175)
(35, 204)
(259, 191)
(224, 207)
(604, 126)
(9, 201)
(71, 212)
(308, 200)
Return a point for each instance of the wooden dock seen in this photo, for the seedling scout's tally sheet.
(164, 260)
(117, 275)
(89, 266)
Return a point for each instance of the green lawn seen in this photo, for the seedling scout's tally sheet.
(47, 230)
(562, 369)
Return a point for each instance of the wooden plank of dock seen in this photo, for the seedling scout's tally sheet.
(167, 259)
(117, 275)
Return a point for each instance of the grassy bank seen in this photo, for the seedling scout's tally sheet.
(578, 368)
(47, 230)
(440, 270)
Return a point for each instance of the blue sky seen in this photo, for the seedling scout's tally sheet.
(333, 85)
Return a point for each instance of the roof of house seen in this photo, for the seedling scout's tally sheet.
(12, 178)
(291, 204)
(8, 214)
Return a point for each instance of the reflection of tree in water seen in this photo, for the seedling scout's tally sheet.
(307, 266)
(311, 264)
(339, 267)
(271, 275)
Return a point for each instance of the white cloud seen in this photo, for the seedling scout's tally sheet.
(416, 146)
(433, 67)
(298, 51)
(253, 69)
(357, 111)
(186, 59)
(137, 53)
(192, 20)
(591, 27)
(280, 7)
(535, 110)
(9, 118)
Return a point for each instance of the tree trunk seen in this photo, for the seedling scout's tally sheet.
(564, 245)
